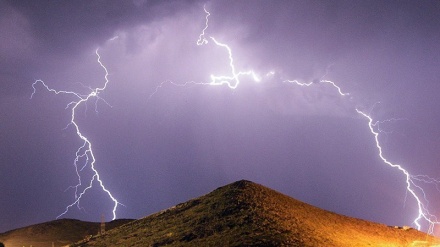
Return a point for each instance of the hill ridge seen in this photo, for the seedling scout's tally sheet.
(244, 213)
(61, 232)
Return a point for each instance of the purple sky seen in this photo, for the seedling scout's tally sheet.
(152, 153)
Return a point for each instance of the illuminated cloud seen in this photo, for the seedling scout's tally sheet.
(154, 152)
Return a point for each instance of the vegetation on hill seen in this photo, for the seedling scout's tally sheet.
(59, 232)
(248, 214)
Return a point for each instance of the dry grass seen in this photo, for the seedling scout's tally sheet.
(248, 214)
(61, 232)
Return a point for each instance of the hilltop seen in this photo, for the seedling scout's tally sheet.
(248, 214)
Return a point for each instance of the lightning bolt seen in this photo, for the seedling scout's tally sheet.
(308, 84)
(85, 156)
(413, 186)
(85, 152)
(202, 40)
(232, 80)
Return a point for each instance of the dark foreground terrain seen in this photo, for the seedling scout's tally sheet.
(59, 232)
(239, 214)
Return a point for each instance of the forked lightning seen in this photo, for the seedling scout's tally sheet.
(413, 182)
(85, 152)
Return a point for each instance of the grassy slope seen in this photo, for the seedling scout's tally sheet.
(61, 232)
(248, 214)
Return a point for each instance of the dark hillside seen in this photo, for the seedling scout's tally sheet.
(59, 232)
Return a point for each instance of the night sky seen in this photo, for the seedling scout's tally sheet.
(184, 141)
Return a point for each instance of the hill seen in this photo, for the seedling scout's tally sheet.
(59, 232)
(247, 214)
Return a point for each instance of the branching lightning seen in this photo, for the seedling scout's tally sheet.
(321, 81)
(202, 40)
(411, 186)
(413, 182)
(84, 154)
(232, 80)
